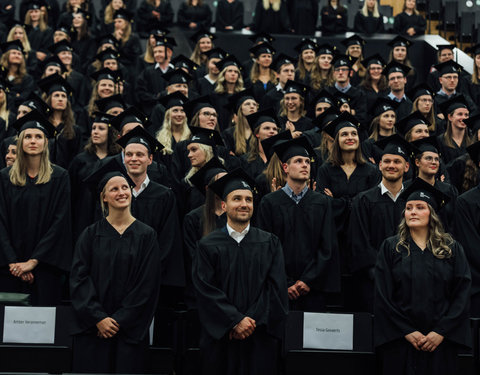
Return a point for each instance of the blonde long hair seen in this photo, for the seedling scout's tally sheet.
(18, 172)
(21, 71)
(25, 42)
(276, 4)
(4, 112)
(42, 23)
(255, 74)
(221, 84)
(438, 241)
(164, 135)
(239, 133)
(208, 150)
(364, 10)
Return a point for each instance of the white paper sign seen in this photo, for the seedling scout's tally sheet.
(150, 331)
(29, 325)
(328, 331)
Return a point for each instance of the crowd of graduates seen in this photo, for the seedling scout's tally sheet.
(77, 108)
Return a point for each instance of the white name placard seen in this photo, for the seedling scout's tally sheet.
(29, 325)
(328, 331)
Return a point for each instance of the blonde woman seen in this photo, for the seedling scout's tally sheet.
(369, 20)
(412, 331)
(262, 76)
(203, 40)
(129, 43)
(271, 16)
(106, 16)
(307, 52)
(37, 263)
(17, 32)
(105, 86)
(40, 34)
(354, 45)
(422, 99)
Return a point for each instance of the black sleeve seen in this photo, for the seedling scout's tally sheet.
(358, 25)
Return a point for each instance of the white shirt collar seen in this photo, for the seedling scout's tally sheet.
(207, 77)
(384, 191)
(143, 186)
(236, 235)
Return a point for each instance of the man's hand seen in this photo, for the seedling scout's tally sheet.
(107, 328)
(302, 288)
(243, 329)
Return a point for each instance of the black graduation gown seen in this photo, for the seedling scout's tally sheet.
(442, 98)
(331, 23)
(85, 201)
(63, 150)
(20, 91)
(307, 233)
(204, 87)
(40, 40)
(358, 102)
(449, 153)
(200, 14)
(86, 48)
(456, 171)
(224, 114)
(418, 292)
(35, 223)
(255, 167)
(303, 16)
(404, 108)
(371, 150)
(234, 280)
(149, 85)
(192, 233)
(114, 276)
(269, 21)
(81, 88)
(260, 89)
(467, 232)
(229, 14)
(368, 25)
(129, 52)
(272, 99)
(301, 125)
(403, 22)
(370, 96)
(374, 218)
(228, 136)
(145, 18)
(156, 207)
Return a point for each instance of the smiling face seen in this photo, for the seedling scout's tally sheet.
(11, 155)
(418, 132)
(348, 139)
(292, 102)
(117, 193)
(238, 206)
(428, 163)
(456, 118)
(393, 167)
(137, 159)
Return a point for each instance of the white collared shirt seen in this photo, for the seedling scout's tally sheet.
(207, 77)
(236, 235)
(384, 191)
(143, 186)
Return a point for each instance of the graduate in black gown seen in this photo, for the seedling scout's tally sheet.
(422, 293)
(410, 22)
(229, 15)
(114, 282)
(293, 108)
(303, 220)
(396, 75)
(194, 16)
(375, 216)
(239, 276)
(155, 205)
(271, 17)
(35, 227)
(303, 16)
(369, 20)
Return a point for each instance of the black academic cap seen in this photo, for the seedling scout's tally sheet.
(35, 120)
(295, 147)
(396, 145)
(108, 54)
(193, 106)
(326, 49)
(36, 103)
(107, 39)
(396, 67)
(103, 118)
(114, 101)
(305, 44)
(426, 144)
(109, 168)
(474, 50)
(452, 104)
(258, 118)
(441, 47)
(55, 82)
(216, 53)
(130, 115)
(14, 44)
(419, 90)
(237, 99)
(162, 40)
(204, 136)
(474, 152)
(354, 40)
(262, 38)
(259, 49)
(52, 61)
(203, 33)
(324, 97)
(183, 62)
(124, 14)
(374, 59)
(177, 76)
(383, 105)
(448, 67)
(156, 28)
(406, 124)
(87, 16)
(63, 45)
(420, 190)
(141, 136)
(343, 60)
(342, 121)
(176, 99)
(36, 4)
(105, 73)
(230, 60)
(64, 27)
(281, 60)
(341, 98)
(268, 144)
(237, 179)
(399, 41)
(473, 123)
(205, 174)
(325, 117)
(295, 87)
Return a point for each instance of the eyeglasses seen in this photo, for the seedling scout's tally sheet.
(208, 114)
(342, 70)
(432, 159)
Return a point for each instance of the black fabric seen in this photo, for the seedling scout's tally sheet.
(269, 21)
(229, 14)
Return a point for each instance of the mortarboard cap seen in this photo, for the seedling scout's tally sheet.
(200, 34)
(341, 98)
(426, 144)
(374, 59)
(61, 46)
(258, 118)
(354, 40)
(52, 61)
(281, 60)
(237, 179)
(103, 118)
(108, 169)
(183, 62)
(295, 147)
(141, 136)
(229, 60)
(124, 14)
(325, 117)
(53, 83)
(236, 100)
(205, 174)
(105, 73)
(326, 49)
(35, 120)
(207, 137)
(130, 115)
(162, 40)
(324, 97)
(114, 101)
(294, 87)
(107, 39)
(305, 44)
(262, 38)
(343, 60)
(193, 106)
(177, 76)
(262, 48)
(36, 4)
(268, 144)
(420, 190)
(108, 54)
(396, 145)
(176, 99)
(399, 41)
(473, 123)
(382, 105)
(13, 45)
(216, 53)
(396, 67)
(419, 90)
(448, 67)
(34, 102)
(452, 104)
(441, 47)
(474, 152)
(408, 123)
(344, 120)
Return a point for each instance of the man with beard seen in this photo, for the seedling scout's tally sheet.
(375, 216)
(239, 277)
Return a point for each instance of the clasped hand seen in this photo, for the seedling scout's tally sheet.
(107, 328)
(426, 343)
(243, 329)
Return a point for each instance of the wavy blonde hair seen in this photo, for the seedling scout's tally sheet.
(18, 172)
(4, 112)
(208, 150)
(239, 132)
(25, 42)
(221, 84)
(21, 71)
(438, 241)
(302, 111)
(317, 81)
(276, 4)
(255, 74)
(364, 10)
(164, 135)
(42, 21)
(274, 170)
